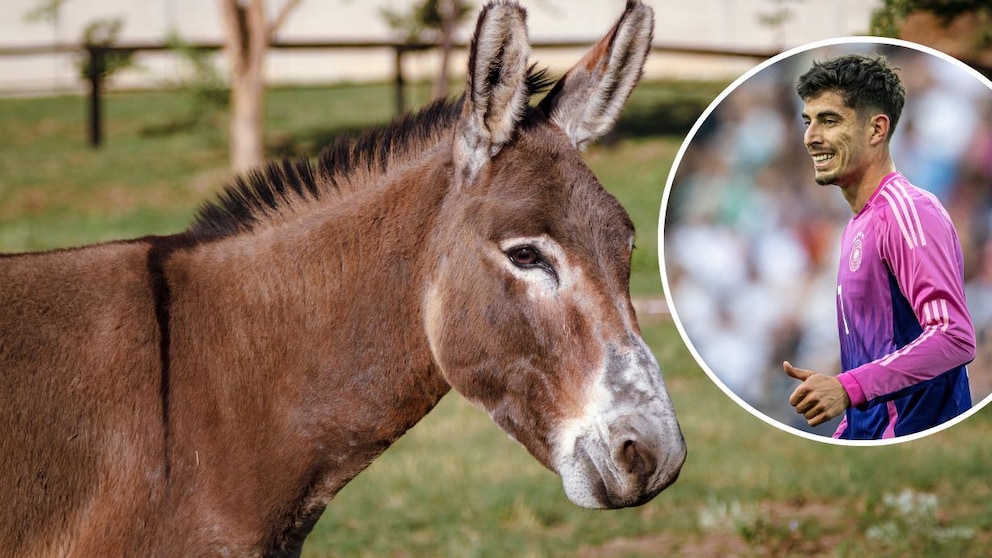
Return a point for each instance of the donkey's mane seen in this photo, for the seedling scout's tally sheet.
(269, 189)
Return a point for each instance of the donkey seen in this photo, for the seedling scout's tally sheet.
(208, 393)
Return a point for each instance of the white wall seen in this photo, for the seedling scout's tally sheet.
(711, 23)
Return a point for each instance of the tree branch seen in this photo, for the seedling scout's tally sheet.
(281, 18)
(235, 36)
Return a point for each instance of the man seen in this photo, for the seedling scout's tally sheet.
(905, 331)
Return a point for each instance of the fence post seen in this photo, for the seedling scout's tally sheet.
(94, 72)
(400, 81)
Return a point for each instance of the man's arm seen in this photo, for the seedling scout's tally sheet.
(919, 244)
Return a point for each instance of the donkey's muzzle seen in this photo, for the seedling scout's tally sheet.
(631, 471)
(627, 446)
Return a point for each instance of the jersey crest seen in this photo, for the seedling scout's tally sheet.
(854, 263)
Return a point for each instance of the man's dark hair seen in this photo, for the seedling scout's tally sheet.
(867, 83)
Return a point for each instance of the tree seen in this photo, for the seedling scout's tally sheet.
(967, 24)
(98, 59)
(777, 18)
(431, 21)
(887, 19)
(248, 34)
(448, 10)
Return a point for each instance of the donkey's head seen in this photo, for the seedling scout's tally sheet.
(528, 311)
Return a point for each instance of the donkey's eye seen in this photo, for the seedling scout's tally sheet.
(528, 258)
(525, 256)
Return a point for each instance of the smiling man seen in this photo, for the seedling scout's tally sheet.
(905, 331)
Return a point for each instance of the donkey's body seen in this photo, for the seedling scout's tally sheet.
(238, 382)
(208, 393)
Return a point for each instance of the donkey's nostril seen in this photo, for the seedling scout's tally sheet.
(637, 459)
(629, 453)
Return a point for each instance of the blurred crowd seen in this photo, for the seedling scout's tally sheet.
(751, 242)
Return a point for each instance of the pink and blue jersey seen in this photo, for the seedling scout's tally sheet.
(905, 331)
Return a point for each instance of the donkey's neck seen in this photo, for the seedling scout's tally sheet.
(299, 353)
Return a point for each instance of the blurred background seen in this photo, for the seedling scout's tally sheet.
(757, 25)
(173, 78)
(752, 242)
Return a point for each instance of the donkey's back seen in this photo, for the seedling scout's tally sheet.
(80, 398)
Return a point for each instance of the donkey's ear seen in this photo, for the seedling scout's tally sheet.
(587, 100)
(497, 93)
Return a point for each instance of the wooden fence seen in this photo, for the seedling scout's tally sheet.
(96, 55)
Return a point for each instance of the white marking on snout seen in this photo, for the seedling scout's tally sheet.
(628, 401)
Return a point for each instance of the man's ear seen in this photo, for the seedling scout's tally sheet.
(879, 128)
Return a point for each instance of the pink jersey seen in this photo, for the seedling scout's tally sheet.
(905, 330)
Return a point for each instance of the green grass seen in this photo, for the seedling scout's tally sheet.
(635, 171)
(456, 485)
(56, 191)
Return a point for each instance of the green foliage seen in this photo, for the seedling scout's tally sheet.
(46, 11)
(203, 80)
(205, 88)
(779, 16)
(423, 21)
(97, 60)
(887, 19)
(100, 60)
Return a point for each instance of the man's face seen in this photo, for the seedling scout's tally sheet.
(836, 138)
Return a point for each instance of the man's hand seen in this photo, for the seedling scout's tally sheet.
(818, 398)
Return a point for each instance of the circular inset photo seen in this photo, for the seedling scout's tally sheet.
(826, 241)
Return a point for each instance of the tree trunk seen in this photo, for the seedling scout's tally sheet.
(446, 8)
(247, 39)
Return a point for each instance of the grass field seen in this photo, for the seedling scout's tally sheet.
(457, 486)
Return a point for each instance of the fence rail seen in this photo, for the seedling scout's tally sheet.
(96, 53)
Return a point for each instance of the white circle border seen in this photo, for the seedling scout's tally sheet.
(859, 39)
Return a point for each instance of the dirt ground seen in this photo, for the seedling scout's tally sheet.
(777, 533)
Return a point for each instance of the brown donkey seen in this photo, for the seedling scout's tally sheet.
(207, 394)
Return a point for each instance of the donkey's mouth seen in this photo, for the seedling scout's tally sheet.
(596, 477)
